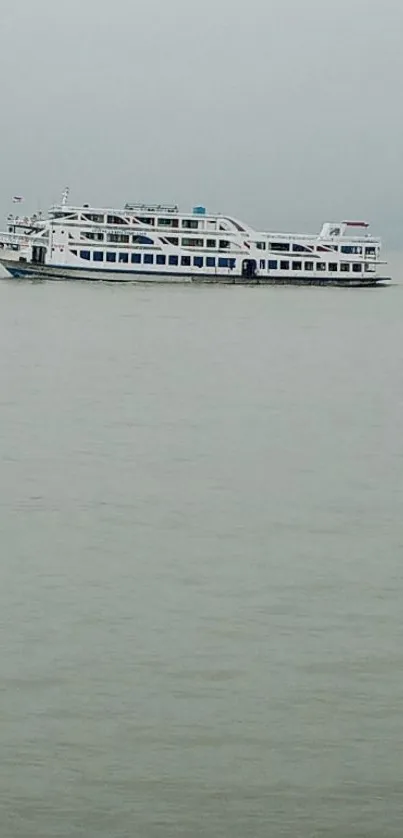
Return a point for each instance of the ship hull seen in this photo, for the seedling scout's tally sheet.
(26, 270)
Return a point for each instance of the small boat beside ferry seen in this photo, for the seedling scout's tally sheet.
(159, 243)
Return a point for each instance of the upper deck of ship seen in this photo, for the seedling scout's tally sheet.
(164, 218)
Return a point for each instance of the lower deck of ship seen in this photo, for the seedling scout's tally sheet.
(26, 270)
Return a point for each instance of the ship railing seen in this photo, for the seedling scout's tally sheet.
(25, 220)
(17, 238)
(141, 207)
(305, 237)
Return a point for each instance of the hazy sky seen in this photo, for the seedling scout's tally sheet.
(283, 112)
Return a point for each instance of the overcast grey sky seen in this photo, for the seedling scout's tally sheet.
(283, 112)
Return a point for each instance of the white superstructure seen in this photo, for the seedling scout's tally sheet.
(157, 242)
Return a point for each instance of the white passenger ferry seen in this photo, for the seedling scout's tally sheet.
(158, 243)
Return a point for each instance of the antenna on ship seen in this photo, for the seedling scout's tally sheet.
(65, 196)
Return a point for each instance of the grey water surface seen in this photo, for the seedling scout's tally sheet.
(201, 575)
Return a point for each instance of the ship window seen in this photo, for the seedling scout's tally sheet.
(185, 260)
(333, 266)
(198, 261)
(263, 264)
(232, 263)
(123, 257)
(300, 248)
(173, 240)
(309, 266)
(114, 219)
(174, 260)
(192, 242)
(357, 267)
(142, 240)
(325, 248)
(118, 237)
(97, 237)
(224, 244)
(168, 222)
(161, 259)
(111, 257)
(351, 248)
(345, 267)
(148, 258)
(148, 219)
(297, 266)
(282, 246)
(190, 224)
(272, 264)
(285, 266)
(92, 216)
(98, 256)
(85, 254)
(321, 266)
(223, 263)
(370, 251)
(211, 243)
(136, 258)
(261, 245)
(210, 262)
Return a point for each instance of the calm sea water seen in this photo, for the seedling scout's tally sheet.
(201, 576)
